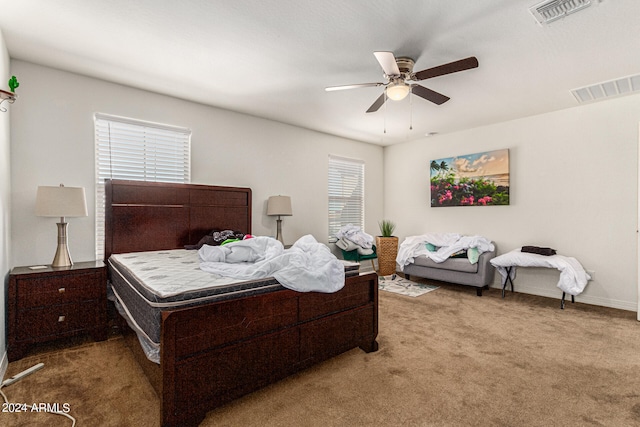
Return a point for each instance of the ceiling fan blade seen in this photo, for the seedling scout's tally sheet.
(377, 104)
(343, 87)
(429, 95)
(388, 63)
(451, 67)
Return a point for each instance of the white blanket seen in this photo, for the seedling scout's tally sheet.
(573, 278)
(307, 266)
(250, 250)
(447, 243)
(354, 234)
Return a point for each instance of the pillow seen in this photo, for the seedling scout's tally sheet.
(431, 247)
(473, 254)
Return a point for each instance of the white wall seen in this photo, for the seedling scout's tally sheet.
(5, 204)
(574, 187)
(53, 142)
(574, 183)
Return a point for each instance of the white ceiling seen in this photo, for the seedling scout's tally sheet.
(273, 59)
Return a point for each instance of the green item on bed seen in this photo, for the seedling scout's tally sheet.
(431, 247)
(229, 241)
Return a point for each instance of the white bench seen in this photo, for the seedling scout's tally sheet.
(573, 278)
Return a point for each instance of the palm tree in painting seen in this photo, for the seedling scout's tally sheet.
(444, 167)
(439, 168)
(435, 167)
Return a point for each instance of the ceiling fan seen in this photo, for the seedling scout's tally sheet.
(401, 79)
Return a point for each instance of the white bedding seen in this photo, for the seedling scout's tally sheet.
(448, 244)
(307, 266)
(573, 277)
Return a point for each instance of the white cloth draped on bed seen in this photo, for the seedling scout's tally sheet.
(306, 266)
(573, 277)
(447, 244)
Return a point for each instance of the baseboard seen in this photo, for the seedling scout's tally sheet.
(4, 365)
(557, 294)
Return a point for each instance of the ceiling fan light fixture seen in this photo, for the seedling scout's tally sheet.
(397, 91)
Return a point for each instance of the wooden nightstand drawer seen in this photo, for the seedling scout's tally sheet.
(41, 291)
(60, 319)
(47, 303)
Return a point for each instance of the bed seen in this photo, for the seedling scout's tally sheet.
(216, 351)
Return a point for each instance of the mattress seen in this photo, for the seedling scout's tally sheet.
(144, 284)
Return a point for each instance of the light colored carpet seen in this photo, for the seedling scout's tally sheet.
(450, 359)
(399, 285)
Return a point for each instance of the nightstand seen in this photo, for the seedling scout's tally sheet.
(46, 304)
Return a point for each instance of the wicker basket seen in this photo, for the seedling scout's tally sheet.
(387, 248)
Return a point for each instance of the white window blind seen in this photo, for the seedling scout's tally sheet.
(140, 151)
(346, 194)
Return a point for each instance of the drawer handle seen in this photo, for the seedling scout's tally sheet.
(61, 290)
(60, 318)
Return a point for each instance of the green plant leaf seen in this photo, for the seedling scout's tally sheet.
(386, 228)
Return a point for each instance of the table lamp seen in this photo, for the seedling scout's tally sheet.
(61, 202)
(279, 206)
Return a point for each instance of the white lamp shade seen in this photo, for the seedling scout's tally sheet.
(61, 202)
(279, 206)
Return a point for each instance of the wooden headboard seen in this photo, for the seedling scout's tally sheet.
(147, 216)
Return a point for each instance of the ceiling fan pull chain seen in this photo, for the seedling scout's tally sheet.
(385, 112)
(410, 111)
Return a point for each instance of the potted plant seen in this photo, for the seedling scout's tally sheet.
(387, 248)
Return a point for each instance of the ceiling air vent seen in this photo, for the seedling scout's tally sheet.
(551, 10)
(599, 91)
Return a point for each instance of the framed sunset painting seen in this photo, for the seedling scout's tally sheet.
(480, 179)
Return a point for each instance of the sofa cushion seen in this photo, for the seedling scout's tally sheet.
(456, 264)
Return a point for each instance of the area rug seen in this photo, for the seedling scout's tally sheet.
(400, 285)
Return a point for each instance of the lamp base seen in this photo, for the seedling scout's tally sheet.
(279, 230)
(62, 257)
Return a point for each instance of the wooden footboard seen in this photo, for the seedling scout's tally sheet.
(215, 353)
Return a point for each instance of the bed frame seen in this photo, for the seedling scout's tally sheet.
(214, 353)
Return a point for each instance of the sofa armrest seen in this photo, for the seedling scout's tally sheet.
(485, 270)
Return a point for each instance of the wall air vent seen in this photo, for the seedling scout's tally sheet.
(551, 10)
(600, 91)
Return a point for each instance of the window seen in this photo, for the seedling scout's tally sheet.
(346, 194)
(140, 151)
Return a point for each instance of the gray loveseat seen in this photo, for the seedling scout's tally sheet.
(455, 270)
